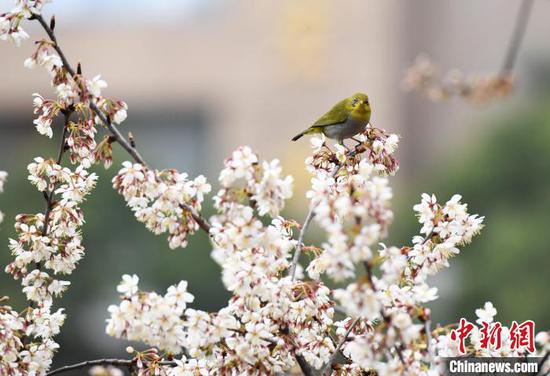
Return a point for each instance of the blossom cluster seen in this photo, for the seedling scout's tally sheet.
(245, 178)
(394, 302)
(10, 22)
(163, 200)
(52, 240)
(376, 145)
(47, 245)
(19, 358)
(269, 319)
(445, 227)
(423, 77)
(350, 198)
(272, 318)
(75, 95)
(148, 317)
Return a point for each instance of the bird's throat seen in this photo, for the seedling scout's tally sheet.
(361, 114)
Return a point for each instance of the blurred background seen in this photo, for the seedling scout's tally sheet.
(202, 77)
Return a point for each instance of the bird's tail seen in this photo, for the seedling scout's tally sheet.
(298, 136)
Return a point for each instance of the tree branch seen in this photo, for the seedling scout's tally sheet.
(298, 251)
(520, 26)
(102, 362)
(203, 223)
(126, 145)
(339, 347)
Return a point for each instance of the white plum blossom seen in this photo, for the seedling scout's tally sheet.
(246, 178)
(95, 85)
(487, 313)
(129, 285)
(164, 200)
(53, 240)
(121, 113)
(148, 317)
(10, 22)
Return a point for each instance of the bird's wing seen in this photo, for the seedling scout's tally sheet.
(337, 115)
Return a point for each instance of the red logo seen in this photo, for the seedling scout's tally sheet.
(522, 336)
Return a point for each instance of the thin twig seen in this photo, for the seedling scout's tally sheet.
(203, 223)
(103, 362)
(517, 37)
(298, 251)
(309, 217)
(49, 196)
(339, 347)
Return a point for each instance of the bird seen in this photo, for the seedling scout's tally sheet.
(346, 119)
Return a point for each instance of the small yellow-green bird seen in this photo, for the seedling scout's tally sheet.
(347, 118)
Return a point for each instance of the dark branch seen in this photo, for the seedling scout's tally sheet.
(102, 362)
(332, 359)
(298, 251)
(517, 37)
(203, 223)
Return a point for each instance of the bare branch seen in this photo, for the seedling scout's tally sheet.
(102, 362)
(339, 347)
(517, 37)
(298, 251)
